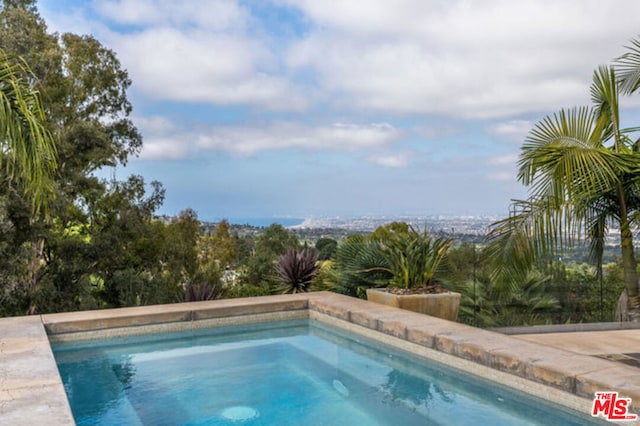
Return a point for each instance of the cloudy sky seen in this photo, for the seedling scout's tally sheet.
(321, 108)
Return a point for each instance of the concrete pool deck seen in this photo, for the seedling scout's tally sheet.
(31, 391)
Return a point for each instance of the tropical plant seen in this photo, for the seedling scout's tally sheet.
(490, 302)
(27, 149)
(360, 265)
(395, 255)
(326, 247)
(327, 278)
(582, 170)
(628, 68)
(296, 270)
(413, 259)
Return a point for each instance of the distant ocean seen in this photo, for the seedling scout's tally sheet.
(265, 221)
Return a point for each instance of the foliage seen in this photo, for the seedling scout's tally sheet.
(572, 288)
(199, 292)
(221, 246)
(583, 294)
(394, 255)
(27, 148)
(217, 254)
(258, 269)
(360, 265)
(487, 302)
(414, 258)
(296, 270)
(101, 246)
(275, 241)
(326, 248)
(247, 290)
(327, 278)
(582, 171)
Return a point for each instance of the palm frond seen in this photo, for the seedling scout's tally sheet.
(604, 95)
(563, 157)
(360, 265)
(26, 144)
(628, 67)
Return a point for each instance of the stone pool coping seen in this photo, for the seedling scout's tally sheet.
(31, 391)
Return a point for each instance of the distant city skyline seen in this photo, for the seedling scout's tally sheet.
(299, 108)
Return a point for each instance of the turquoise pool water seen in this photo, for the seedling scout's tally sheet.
(282, 373)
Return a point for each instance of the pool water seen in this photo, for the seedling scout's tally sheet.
(282, 373)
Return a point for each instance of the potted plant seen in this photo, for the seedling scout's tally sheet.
(402, 263)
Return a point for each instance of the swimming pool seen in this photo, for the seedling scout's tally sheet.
(292, 372)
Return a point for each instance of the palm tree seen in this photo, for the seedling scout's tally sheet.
(27, 149)
(583, 174)
(628, 68)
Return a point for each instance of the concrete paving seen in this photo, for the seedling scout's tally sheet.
(616, 345)
(590, 342)
(31, 391)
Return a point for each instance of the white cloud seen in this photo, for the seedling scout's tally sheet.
(501, 176)
(390, 161)
(213, 14)
(513, 131)
(198, 66)
(505, 159)
(474, 59)
(174, 143)
(489, 59)
(211, 52)
(155, 125)
(503, 167)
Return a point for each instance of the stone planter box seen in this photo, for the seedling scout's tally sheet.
(440, 305)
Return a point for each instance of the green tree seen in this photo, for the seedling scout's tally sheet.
(581, 168)
(220, 248)
(259, 268)
(275, 241)
(326, 247)
(126, 247)
(102, 247)
(180, 259)
(463, 262)
(584, 295)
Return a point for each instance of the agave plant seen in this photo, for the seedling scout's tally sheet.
(296, 269)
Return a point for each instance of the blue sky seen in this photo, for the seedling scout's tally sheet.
(321, 108)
